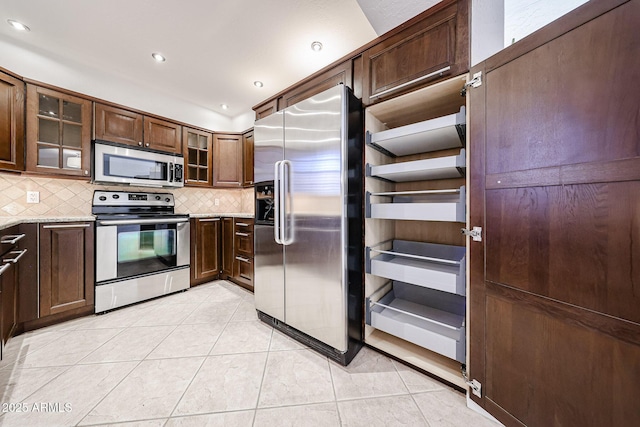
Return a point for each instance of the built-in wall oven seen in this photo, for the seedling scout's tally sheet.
(142, 248)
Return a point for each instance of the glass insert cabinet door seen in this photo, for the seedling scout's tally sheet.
(144, 249)
(58, 132)
(197, 154)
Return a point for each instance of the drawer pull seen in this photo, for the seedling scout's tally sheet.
(209, 220)
(403, 85)
(242, 224)
(243, 259)
(242, 234)
(11, 240)
(68, 226)
(14, 260)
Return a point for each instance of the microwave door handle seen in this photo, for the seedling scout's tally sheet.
(170, 172)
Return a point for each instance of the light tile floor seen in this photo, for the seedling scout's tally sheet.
(202, 358)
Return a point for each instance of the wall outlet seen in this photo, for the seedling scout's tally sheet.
(33, 197)
(216, 202)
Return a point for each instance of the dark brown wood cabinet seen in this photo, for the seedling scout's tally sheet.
(205, 249)
(266, 109)
(243, 252)
(198, 158)
(66, 267)
(227, 160)
(162, 135)
(11, 253)
(118, 125)
(340, 73)
(227, 249)
(247, 156)
(555, 185)
(433, 48)
(12, 105)
(124, 126)
(58, 132)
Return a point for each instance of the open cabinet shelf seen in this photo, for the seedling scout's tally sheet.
(415, 205)
(422, 137)
(416, 170)
(430, 265)
(428, 205)
(435, 322)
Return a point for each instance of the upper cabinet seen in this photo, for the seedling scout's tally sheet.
(247, 155)
(128, 127)
(11, 123)
(431, 49)
(227, 158)
(197, 157)
(118, 125)
(58, 132)
(162, 135)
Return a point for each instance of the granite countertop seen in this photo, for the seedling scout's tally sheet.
(9, 221)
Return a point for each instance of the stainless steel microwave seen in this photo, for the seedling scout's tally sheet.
(118, 164)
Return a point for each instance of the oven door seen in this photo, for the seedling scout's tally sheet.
(138, 247)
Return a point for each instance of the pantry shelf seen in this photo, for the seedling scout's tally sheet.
(405, 313)
(430, 265)
(422, 137)
(428, 205)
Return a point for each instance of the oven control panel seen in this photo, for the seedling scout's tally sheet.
(127, 198)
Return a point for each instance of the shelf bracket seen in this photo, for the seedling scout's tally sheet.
(475, 233)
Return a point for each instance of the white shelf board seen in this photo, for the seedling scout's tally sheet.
(418, 170)
(428, 327)
(422, 137)
(429, 274)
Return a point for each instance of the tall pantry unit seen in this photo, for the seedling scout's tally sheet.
(415, 282)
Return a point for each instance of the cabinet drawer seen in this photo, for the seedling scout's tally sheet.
(244, 270)
(244, 243)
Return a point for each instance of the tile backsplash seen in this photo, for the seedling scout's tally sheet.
(68, 197)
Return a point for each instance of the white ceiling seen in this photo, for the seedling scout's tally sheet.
(215, 49)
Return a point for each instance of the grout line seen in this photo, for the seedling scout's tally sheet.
(264, 373)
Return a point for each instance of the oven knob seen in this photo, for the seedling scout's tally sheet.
(158, 197)
(167, 200)
(116, 196)
(102, 198)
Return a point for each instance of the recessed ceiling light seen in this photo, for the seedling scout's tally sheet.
(258, 83)
(158, 57)
(316, 46)
(224, 106)
(18, 25)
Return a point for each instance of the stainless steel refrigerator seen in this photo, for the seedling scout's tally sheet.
(308, 237)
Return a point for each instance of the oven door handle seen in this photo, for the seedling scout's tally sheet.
(142, 221)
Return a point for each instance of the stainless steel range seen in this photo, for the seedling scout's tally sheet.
(142, 247)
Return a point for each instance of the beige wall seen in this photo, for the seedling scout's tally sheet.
(68, 197)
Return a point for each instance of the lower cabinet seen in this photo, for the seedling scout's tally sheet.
(243, 252)
(66, 267)
(9, 281)
(205, 250)
(227, 248)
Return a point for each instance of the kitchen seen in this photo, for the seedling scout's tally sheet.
(229, 203)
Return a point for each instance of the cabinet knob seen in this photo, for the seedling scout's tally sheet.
(86, 172)
(147, 144)
(140, 144)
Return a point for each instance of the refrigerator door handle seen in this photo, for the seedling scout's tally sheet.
(288, 229)
(276, 202)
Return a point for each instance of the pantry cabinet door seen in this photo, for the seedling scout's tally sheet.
(555, 184)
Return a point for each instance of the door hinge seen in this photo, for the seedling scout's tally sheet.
(474, 385)
(475, 233)
(476, 81)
